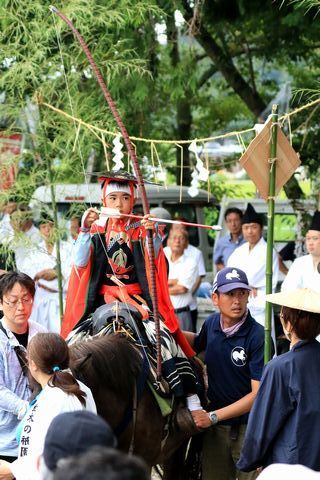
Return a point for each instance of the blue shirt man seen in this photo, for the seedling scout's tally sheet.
(227, 244)
(16, 300)
(233, 343)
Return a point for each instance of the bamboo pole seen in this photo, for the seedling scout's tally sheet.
(55, 216)
(270, 234)
(57, 238)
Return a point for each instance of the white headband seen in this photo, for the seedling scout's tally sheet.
(113, 187)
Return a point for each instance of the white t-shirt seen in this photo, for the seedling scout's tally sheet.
(46, 310)
(197, 255)
(51, 402)
(253, 263)
(302, 274)
(185, 270)
(281, 471)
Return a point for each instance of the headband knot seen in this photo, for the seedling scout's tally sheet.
(56, 369)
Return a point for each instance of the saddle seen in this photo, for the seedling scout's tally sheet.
(113, 318)
(125, 319)
(113, 313)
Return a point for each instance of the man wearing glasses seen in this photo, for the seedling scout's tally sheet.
(16, 299)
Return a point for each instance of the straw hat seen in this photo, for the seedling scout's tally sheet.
(300, 299)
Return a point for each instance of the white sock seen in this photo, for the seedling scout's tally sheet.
(193, 403)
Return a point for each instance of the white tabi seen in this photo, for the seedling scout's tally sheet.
(253, 263)
(46, 301)
(302, 274)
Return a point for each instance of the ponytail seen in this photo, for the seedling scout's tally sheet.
(68, 384)
(50, 353)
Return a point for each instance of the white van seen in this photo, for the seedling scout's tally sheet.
(69, 196)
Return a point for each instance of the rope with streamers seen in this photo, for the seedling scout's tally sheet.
(133, 157)
(283, 118)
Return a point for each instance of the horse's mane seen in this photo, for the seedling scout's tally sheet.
(111, 361)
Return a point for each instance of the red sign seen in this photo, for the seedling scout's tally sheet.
(10, 149)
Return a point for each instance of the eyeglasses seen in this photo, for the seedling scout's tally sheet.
(14, 304)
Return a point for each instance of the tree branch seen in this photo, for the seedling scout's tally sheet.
(206, 76)
(225, 65)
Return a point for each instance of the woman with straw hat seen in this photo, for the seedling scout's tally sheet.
(284, 422)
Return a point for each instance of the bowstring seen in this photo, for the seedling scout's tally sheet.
(71, 105)
(77, 142)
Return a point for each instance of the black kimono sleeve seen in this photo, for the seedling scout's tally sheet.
(271, 408)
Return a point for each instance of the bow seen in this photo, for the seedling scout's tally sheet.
(137, 171)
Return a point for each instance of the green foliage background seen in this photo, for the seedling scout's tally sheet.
(152, 82)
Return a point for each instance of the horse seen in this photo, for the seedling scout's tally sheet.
(115, 371)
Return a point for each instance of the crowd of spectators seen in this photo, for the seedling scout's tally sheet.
(59, 434)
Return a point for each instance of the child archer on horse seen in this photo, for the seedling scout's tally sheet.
(111, 263)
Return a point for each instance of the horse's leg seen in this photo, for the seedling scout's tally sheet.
(174, 466)
(149, 429)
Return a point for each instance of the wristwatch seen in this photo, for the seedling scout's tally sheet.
(213, 417)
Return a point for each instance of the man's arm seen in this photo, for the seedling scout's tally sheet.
(218, 252)
(176, 289)
(275, 402)
(81, 249)
(236, 409)
(9, 401)
(185, 282)
(196, 285)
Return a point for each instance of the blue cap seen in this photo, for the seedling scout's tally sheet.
(228, 279)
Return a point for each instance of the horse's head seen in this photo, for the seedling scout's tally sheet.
(123, 313)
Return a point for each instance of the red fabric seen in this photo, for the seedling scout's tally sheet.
(78, 285)
(111, 294)
(76, 298)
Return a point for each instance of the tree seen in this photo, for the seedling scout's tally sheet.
(43, 59)
(217, 71)
(239, 41)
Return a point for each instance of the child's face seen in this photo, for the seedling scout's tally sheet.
(119, 200)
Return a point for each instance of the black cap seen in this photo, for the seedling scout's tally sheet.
(251, 216)
(315, 222)
(116, 176)
(72, 433)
